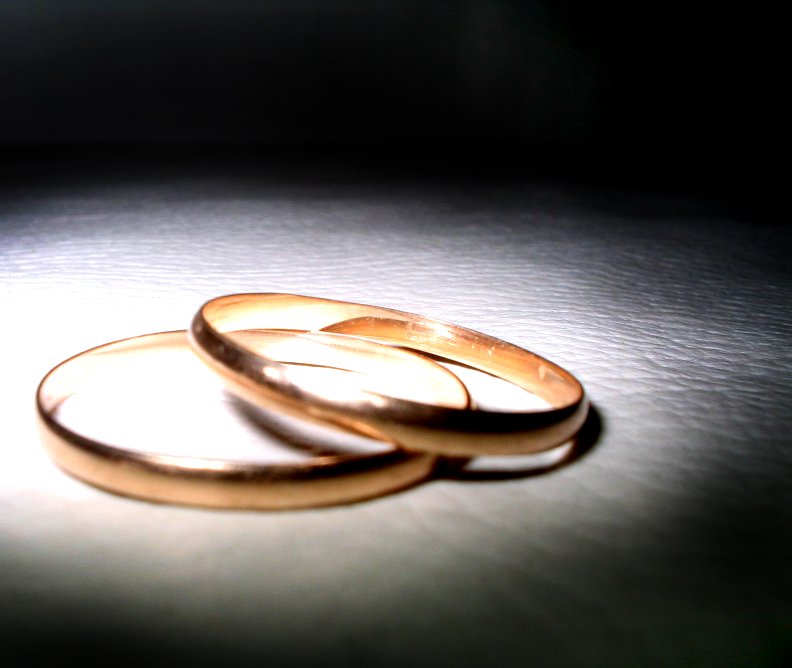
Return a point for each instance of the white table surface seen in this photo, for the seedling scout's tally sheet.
(667, 543)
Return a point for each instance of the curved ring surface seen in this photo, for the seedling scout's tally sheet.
(209, 482)
(415, 425)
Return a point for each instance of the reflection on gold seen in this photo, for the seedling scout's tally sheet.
(417, 425)
(411, 384)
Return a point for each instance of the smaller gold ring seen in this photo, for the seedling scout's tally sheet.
(415, 425)
(324, 480)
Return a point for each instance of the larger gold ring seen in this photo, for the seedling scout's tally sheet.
(416, 425)
(219, 483)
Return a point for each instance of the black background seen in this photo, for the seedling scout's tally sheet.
(665, 95)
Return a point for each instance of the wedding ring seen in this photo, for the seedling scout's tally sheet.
(218, 483)
(416, 425)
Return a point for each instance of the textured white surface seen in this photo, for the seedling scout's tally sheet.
(668, 543)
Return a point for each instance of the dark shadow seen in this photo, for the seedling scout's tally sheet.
(295, 433)
(574, 450)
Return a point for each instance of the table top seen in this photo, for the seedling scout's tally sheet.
(666, 542)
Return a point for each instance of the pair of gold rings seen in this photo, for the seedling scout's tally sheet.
(395, 390)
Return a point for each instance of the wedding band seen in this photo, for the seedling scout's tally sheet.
(415, 425)
(217, 483)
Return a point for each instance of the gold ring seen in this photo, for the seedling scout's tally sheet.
(324, 480)
(416, 425)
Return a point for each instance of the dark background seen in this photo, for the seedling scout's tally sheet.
(664, 95)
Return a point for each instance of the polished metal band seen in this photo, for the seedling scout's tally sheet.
(227, 484)
(415, 425)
